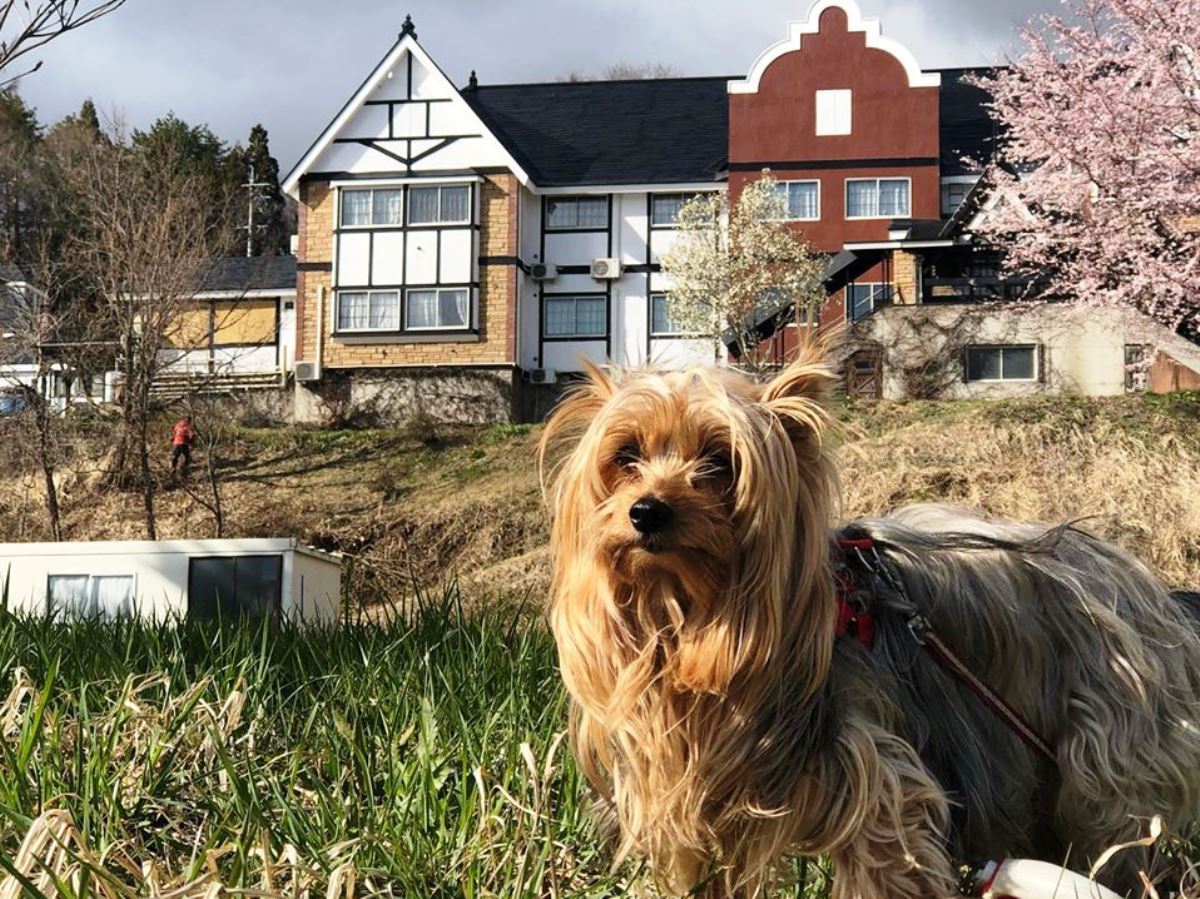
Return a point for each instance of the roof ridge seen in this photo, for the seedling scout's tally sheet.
(596, 81)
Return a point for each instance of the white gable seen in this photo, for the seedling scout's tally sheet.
(407, 119)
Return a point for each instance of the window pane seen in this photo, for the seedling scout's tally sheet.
(983, 363)
(212, 589)
(862, 300)
(113, 596)
(861, 198)
(560, 214)
(385, 311)
(593, 212)
(661, 321)
(893, 197)
(356, 208)
(802, 200)
(422, 309)
(455, 201)
(560, 316)
(423, 205)
(388, 207)
(665, 209)
(257, 581)
(589, 316)
(452, 308)
(1018, 363)
(352, 311)
(68, 595)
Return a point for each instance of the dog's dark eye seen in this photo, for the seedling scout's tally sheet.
(627, 456)
(717, 463)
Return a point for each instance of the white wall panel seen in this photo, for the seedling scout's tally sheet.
(353, 259)
(661, 242)
(421, 258)
(387, 258)
(408, 120)
(568, 355)
(570, 248)
(455, 261)
(451, 118)
(629, 228)
(369, 122)
(425, 85)
(681, 353)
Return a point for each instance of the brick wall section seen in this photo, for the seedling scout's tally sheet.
(906, 269)
(496, 341)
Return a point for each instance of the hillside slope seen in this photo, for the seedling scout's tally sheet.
(459, 503)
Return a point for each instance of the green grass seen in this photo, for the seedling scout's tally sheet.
(426, 757)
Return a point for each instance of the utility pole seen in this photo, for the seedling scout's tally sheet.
(253, 189)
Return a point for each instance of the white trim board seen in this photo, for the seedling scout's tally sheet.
(855, 23)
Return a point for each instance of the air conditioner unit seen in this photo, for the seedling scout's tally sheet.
(543, 271)
(542, 376)
(308, 371)
(606, 269)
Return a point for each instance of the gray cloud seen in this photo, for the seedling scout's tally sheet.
(290, 64)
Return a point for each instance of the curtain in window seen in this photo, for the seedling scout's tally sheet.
(452, 308)
(861, 198)
(385, 311)
(113, 596)
(661, 321)
(665, 209)
(67, 595)
(802, 201)
(893, 197)
(560, 316)
(455, 204)
(423, 205)
(422, 309)
(560, 214)
(356, 207)
(388, 207)
(352, 311)
(593, 212)
(589, 316)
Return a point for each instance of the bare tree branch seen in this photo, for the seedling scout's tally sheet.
(27, 26)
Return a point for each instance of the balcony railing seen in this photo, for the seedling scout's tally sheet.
(974, 290)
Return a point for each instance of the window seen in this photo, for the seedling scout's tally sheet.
(662, 322)
(953, 195)
(378, 206)
(577, 214)
(234, 586)
(436, 309)
(803, 199)
(1137, 367)
(873, 198)
(449, 205)
(664, 209)
(368, 310)
(82, 595)
(1001, 363)
(833, 112)
(863, 299)
(580, 317)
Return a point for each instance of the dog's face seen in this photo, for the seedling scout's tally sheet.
(688, 484)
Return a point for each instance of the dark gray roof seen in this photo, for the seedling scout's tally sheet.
(251, 273)
(967, 127)
(10, 272)
(661, 131)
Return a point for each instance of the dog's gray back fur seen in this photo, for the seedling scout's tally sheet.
(1073, 632)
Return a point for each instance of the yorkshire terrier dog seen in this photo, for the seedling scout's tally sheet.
(698, 597)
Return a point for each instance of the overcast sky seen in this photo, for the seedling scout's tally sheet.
(291, 64)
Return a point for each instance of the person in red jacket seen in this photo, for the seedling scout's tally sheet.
(182, 436)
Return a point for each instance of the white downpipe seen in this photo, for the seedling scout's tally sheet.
(1020, 878)
(320, 326)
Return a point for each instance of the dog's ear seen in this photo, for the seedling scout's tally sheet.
(799, 395)
(573, 414)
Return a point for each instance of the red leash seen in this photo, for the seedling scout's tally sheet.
(857, 621)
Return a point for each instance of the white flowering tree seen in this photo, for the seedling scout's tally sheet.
(735, 266)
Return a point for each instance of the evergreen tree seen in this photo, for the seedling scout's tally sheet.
(272, 218)
(20, 199)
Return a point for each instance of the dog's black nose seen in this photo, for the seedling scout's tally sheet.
(650, 515)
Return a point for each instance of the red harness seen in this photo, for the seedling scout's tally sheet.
(856, 620)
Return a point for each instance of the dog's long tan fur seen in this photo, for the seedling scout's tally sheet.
(724, 726)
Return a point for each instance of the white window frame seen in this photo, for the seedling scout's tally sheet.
(575, 198)
(372, 226)
(816, 181)
(860, 218)
(1037, 363)
(465, 326)
(90, 591)
(337, 310)
(576, 335)
(665, 295)
(673, 225)
(440, 221)
(828, 109)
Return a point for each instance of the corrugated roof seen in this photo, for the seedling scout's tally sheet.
(236, 273)
(661, 131)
